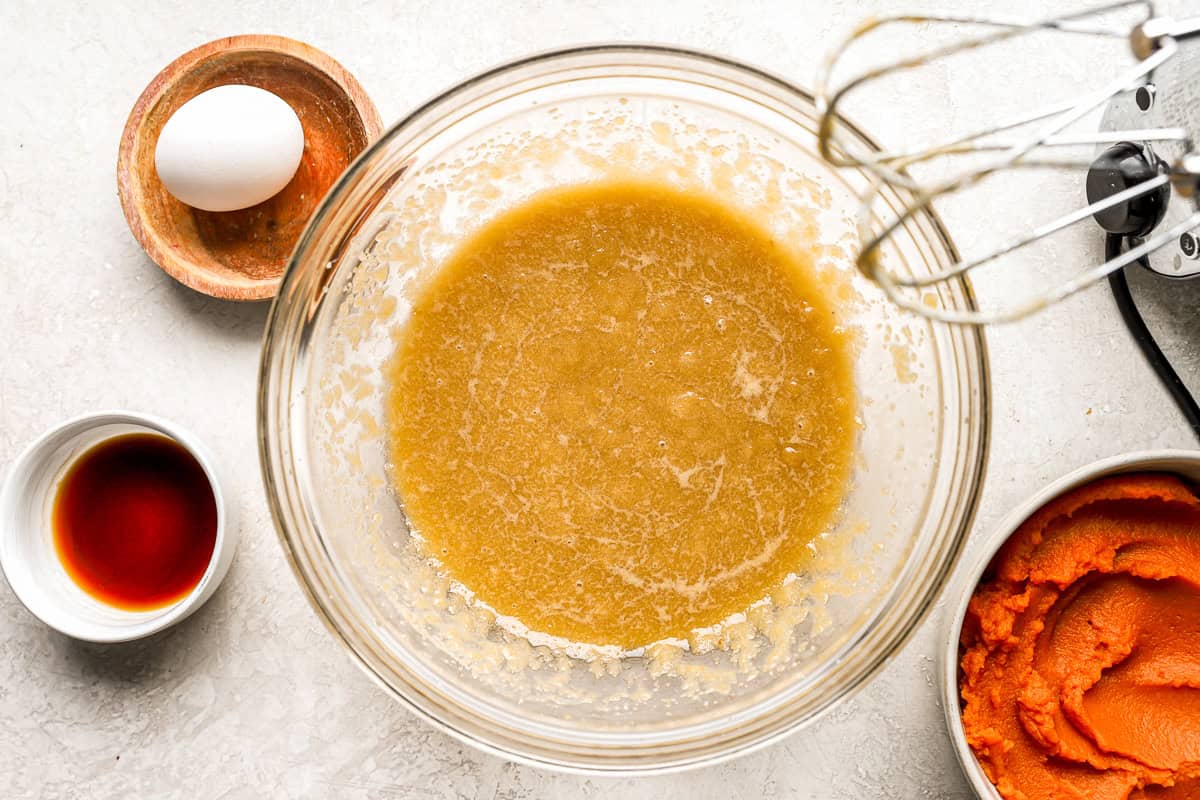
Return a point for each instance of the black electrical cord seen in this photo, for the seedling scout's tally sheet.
(1145, 340)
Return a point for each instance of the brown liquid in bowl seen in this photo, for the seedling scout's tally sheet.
(620, 413)
(135, 522)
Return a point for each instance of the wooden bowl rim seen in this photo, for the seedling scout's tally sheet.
(129, 178)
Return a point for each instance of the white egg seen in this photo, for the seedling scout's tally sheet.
(228, 148)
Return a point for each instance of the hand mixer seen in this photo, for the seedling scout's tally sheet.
(1141, 169)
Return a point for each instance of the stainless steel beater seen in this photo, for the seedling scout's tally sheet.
(1143, 185)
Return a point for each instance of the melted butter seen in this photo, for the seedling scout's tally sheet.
(621, 413)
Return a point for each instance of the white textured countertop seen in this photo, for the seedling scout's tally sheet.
(250, 697)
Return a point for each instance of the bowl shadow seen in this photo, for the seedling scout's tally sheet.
(144, 662)
(229, 320)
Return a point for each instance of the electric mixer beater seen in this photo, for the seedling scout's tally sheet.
(1142, 166)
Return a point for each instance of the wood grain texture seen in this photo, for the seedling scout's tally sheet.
(241, 255)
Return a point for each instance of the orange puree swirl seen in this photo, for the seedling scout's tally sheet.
(1080, 673)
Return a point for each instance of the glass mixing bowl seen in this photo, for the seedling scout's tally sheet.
(692, 121)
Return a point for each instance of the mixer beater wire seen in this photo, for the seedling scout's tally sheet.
(1034, 139)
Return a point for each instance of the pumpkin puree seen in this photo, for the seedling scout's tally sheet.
(1080, 673)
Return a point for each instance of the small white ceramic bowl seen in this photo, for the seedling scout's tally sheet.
(27, 554)
(1184, 463)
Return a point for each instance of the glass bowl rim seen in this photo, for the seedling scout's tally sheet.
(282, 497)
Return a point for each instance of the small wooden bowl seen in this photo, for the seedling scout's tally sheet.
(240, 255)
